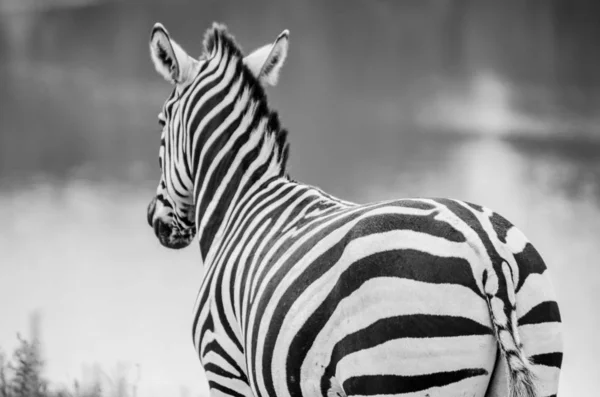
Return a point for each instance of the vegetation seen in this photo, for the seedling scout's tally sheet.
(22, 375)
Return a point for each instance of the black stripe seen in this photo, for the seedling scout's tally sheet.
(398, 384)
(226, 390)
(215, 369)
(426, 224)
(187, 166)
(209, 325)
(476, 207)
(162, 199)
(169, 103)
(548, 359)
(180, 181)
(220, 308)
(501, 226)
(544, 312)
(530, 262)
(410, 326)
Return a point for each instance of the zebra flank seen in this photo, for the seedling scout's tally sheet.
(304, 294)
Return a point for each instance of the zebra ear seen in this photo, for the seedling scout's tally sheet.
(266, 62)
(170, 60)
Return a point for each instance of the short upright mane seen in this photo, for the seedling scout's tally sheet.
(218, 36)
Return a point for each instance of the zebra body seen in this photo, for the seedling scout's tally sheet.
(304, 294)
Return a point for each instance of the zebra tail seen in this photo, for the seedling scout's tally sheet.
(521, 377)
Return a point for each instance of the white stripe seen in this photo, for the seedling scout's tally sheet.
(186, 185)
(546, 379)
(202, 317)
(209, 336)
(516, 240)
(535, 290)
(248, 245)
(421, 356)
(218, 393)
(541, 338)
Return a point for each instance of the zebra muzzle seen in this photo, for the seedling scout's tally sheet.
(150, 211)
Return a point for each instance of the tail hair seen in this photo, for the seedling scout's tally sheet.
(521, 382)
(521, 377)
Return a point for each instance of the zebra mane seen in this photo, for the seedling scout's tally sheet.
(218, 35)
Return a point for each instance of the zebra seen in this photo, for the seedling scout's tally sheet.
(305, 294)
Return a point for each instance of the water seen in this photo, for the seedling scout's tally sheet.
(78, 149)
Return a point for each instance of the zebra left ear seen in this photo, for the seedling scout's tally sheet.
(170, 60)
(266, 62)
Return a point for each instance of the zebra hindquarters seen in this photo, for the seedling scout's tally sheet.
(405, 337)
(540, 326)
(540, 334)
(538, 318)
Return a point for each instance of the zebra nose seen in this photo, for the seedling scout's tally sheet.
(161, 229)
(150, 213)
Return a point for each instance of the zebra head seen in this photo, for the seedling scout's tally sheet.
(191, 115)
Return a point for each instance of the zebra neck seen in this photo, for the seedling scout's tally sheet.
(275, 200)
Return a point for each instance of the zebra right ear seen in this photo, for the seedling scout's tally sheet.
(266, 62)
(170, 60)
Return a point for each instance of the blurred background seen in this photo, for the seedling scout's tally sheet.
(492, 102)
